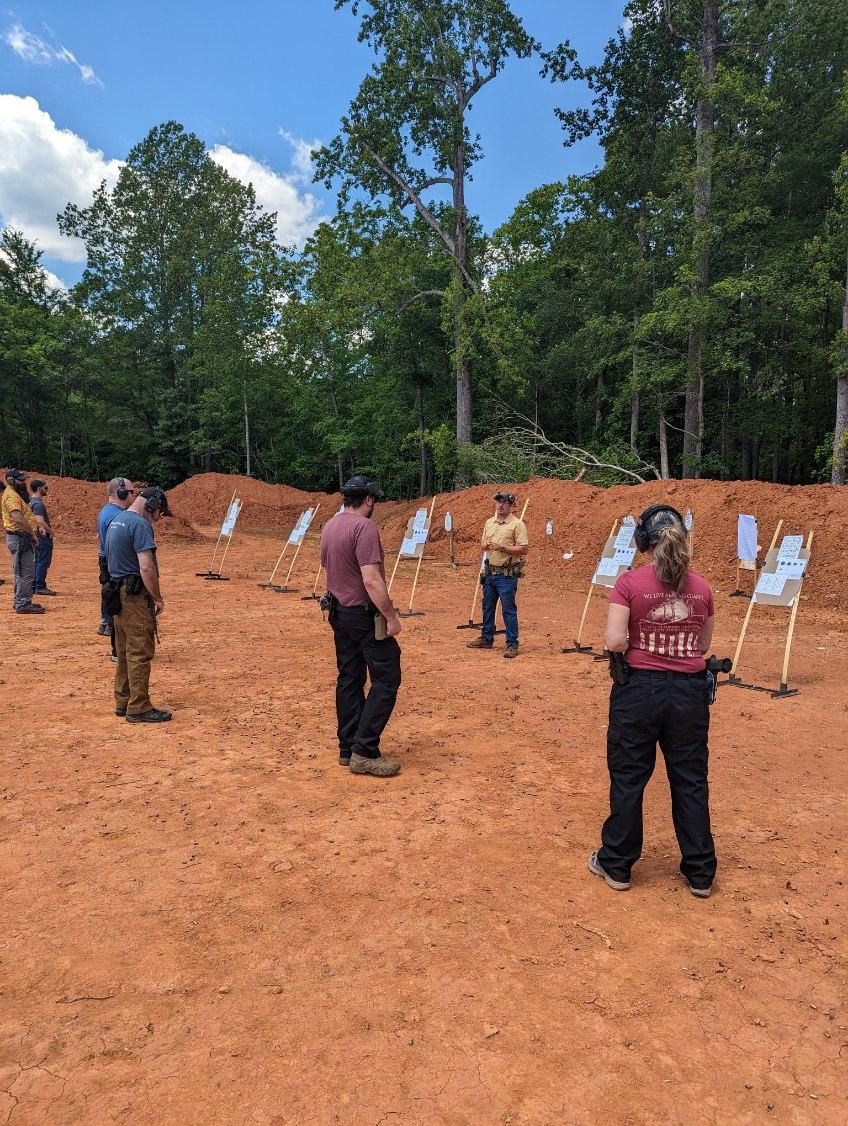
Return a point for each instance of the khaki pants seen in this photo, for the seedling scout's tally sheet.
(135, 644)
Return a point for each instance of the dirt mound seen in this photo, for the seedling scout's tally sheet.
(73, 506)
(204, 498)
(583, 516)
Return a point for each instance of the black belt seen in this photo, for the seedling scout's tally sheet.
(28, 535)
(504, 569)
(667, 674)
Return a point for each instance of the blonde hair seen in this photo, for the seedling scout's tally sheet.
(671, 555)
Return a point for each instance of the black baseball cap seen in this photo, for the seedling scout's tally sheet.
(362, 486)
(15, 475)
(505, 496)
(157, 499)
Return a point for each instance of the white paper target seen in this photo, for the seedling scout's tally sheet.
(624, 556)
(230, 519)
(448, 522)
(790, 546)
(624, 537)
(791, 568)
(420, 520)
(607, 567)
(549, 528)
(769, 583)
(746, 538)
(408, 546)
(688, 520)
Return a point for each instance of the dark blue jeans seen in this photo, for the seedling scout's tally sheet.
(43, 559)
(504, 588)
(670, 709)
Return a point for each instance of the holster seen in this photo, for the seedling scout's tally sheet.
(104, 570)
(112, 597)
(619, 669)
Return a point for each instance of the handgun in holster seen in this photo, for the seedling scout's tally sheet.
(619, 669)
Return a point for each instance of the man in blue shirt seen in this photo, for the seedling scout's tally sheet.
(120, 493)
(134, 579)
(44, 550)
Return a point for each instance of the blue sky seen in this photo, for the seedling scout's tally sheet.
(81, 83)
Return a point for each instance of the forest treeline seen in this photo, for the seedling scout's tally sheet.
(680, 311)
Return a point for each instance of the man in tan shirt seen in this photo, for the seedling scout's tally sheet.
(505, 544)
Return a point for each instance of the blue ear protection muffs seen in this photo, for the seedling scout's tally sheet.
(645, 535)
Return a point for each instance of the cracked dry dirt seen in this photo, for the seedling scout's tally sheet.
(212, 922)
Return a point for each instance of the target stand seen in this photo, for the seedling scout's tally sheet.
(412, 547)
(227, 529)
(616, 558)
(780, 583)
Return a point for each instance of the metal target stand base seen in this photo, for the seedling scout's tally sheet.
(310, 598)
(284, 589)
(775, 693)
(212, 575)
(470, 624)
(739, 594)
(586, 650)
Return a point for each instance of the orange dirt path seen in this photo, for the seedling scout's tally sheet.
(210, 921)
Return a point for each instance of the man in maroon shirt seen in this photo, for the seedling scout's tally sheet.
(365, 625)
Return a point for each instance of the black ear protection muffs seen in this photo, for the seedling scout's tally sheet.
(122, 491)
(154, 500)
(645, 535)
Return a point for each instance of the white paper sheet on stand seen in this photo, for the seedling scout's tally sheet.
(746, 537)
(769, 583)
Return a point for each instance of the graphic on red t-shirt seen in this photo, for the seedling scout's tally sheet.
(665, 627)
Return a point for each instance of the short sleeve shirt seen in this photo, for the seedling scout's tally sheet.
(349, 543)
(105, 517)
(512, 532)
(10, 503)
(127, 535)
(39, 508)
(665, 627)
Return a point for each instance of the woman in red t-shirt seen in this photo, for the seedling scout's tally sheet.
(660, 617)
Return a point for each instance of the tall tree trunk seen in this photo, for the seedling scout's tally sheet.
(663, 446)
(840, 437)
(693, 422)
(460, 242)
(246, 429)
(422, 446)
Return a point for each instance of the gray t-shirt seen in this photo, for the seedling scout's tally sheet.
(40, 509)
(127, 535)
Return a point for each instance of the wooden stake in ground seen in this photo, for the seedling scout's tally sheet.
(229, 539)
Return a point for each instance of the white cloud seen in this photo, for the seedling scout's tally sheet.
(302, 167)
(42, 168)
(297, 212)
(33, 49)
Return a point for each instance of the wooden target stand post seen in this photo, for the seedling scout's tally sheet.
(296, 538)
(315, 596)
(412, 547)
(780, 583)
(747, 550)
(471, 624)
(616, 558)
(227, 529)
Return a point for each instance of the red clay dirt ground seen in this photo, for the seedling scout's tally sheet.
(212, 922)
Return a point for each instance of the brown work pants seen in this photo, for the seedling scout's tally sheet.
(135, 644)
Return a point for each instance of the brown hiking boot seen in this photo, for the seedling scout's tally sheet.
(480, 643)
(379, 767)
(511, 651)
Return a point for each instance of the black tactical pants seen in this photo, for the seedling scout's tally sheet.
(672, 709)
(362, 719)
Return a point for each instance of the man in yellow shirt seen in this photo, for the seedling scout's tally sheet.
(505, 543)
(21, 530)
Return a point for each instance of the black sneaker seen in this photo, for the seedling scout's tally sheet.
(103, 629)
(45, 590)
(511, 651)
(31, 608)
(154, 715)
(344, 760)
(120, 711)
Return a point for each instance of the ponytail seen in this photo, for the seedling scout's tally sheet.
(671, 556)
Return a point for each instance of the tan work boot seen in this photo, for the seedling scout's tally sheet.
(378, 767)
(511, 651)
(479, 643)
